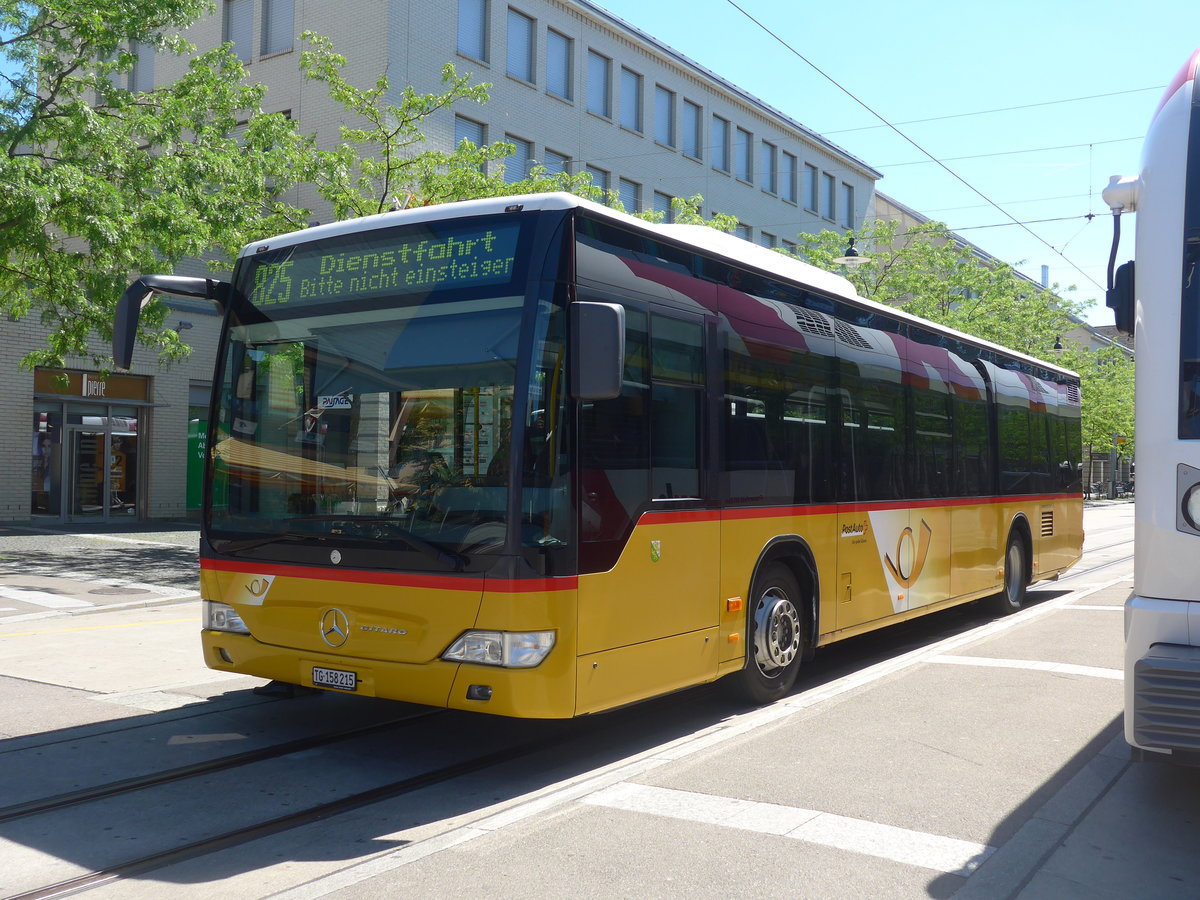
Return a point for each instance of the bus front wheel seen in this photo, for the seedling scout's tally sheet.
(775, 636)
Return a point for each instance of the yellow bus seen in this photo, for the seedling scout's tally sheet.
(534, 457)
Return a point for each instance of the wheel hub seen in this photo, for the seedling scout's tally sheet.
(776, 633)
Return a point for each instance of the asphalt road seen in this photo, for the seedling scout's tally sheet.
(958, 755)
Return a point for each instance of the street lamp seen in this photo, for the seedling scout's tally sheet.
(852, 257)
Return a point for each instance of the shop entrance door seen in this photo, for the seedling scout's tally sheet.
(87, 473)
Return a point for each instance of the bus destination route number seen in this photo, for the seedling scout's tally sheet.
(316, 274)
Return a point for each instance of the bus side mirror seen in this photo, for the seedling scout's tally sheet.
(598, 350)
(137, 295)
(1120, 298)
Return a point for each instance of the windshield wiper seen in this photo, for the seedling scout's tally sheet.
(252, 543)
(375, 526)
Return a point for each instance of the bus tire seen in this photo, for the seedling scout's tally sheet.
(1016, 576)
(775, 632)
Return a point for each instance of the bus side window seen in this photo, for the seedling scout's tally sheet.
(614, 456)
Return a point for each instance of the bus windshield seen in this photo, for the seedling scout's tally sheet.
(366, 396)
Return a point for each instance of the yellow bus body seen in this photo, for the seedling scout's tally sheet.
(670, 614)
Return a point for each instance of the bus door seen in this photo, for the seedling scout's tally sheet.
(649, 543)
(866, 530)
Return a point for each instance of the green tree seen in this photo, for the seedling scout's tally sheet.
(927, 273)
(383, 164)
(100, 181)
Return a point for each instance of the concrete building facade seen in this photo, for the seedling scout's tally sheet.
(572, 88)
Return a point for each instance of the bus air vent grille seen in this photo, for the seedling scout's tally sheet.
(1048, 523)
(812, 322)
(1166, 684)
(1073, 393)
(848, 334)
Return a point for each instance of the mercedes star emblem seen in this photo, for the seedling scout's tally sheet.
(335, 627)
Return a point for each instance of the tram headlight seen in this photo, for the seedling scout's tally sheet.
(509, 649)
(223, 617)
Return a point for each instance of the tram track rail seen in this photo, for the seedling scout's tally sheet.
(193, 770)
(278, 824)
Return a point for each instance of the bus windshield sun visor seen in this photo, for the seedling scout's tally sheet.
(137, 295)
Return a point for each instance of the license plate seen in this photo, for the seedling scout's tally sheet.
(335, 678)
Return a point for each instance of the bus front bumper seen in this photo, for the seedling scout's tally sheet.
(523, 693)
(1162, 677)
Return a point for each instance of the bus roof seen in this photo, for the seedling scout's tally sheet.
(728, 247)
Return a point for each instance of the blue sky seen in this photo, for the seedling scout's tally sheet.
(918, 60)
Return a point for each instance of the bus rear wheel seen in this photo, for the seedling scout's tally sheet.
(775, 636)
(1016, 576)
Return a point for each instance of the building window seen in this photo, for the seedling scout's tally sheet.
(279, 23)
(768, 168)
(828, 196)
(631, 100)
(787, 177)
(847, 205)
(631, 195)
(720, 144)
(742, 231)
(811, 182)
(559, 59)
(141, 79)
(599, 87)
(599, 178)
(238, 27)
(766, 240)
(742, 144)
(516, 167)
(664, 116)
(693, 130)
(472, 28)
(556, 163)
(520, 46)
(662, 204)
(467, 130)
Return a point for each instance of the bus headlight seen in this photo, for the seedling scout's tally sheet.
(1191, 506)
(510, 649)
(223, 617)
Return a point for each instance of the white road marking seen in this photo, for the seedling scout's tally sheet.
(1033, 664)
(41, 598)
(902, 845)
(1119, 608)
(587, 783)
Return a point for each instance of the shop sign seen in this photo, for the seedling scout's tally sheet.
(90, 386)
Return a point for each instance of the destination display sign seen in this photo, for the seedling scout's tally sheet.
(385, 263)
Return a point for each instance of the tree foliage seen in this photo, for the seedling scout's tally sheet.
(927, 273)
(100, 181)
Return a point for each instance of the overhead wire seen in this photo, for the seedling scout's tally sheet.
(909, 140)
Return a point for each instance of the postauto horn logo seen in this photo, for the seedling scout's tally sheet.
(910, 556)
